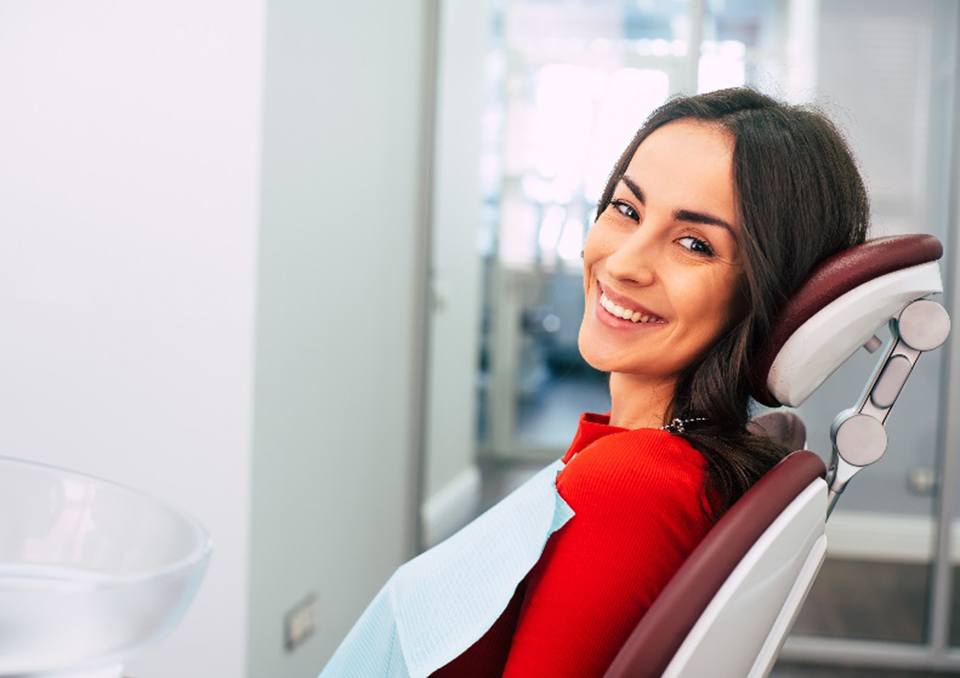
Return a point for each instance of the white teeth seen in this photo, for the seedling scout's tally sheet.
(626, 314)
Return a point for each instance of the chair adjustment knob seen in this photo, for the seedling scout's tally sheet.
(923, 325)
(860, 439)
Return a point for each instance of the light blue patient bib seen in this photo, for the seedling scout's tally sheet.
(439, 603)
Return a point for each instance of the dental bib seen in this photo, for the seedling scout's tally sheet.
(436, 605)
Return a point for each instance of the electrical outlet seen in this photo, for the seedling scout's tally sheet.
(300, 622)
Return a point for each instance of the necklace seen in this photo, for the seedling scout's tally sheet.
(677, 424)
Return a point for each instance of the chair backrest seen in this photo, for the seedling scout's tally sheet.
(728, 572)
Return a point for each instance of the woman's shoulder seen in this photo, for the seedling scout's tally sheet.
(647, 472)
(635, 461)
(641, 448)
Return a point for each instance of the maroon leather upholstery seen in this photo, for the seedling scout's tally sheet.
(663, 628)
(833, 277)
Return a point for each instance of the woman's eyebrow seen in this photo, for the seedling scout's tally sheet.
(681, 215)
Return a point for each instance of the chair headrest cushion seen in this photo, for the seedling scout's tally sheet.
(835, 276)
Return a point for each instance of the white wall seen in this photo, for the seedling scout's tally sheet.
(337, 317)
(452, 488)
(128, 212)
(234, 332)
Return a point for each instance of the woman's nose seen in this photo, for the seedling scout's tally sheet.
(634, 259)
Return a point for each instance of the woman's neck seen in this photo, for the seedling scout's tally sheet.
(637, 401)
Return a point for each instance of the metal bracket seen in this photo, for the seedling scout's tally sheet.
(858, 435)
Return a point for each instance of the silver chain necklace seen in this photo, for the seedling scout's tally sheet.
(677, 424)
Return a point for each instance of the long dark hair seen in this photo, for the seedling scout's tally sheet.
(800, 198)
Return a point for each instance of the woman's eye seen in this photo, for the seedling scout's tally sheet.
(625, 209)
(699, 246)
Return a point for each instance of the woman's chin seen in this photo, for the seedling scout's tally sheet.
(604, 355)
(594, 354)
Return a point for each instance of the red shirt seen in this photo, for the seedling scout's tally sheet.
(639, 500)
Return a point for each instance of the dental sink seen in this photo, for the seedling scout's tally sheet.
(90, 571)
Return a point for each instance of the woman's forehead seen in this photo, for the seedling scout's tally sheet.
(687, 161)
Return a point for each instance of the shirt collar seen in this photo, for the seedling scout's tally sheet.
(591, 427)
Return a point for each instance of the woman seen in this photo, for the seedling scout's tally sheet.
(714, 214)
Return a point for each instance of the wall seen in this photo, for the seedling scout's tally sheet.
(128, 213)
(452, 487)
(337, 317)
(141, 277)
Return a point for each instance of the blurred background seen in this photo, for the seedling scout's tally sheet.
(310, 271)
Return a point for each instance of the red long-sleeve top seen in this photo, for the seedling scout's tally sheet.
(640, 508)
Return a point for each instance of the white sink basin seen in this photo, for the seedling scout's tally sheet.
(90, 571)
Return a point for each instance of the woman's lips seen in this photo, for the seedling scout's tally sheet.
(613, 321)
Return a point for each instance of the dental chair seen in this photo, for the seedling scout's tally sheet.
(728, 609)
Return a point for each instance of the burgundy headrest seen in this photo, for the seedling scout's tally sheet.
(833, 277)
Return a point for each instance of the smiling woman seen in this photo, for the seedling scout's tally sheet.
(714, 214)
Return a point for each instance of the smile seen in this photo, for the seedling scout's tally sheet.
(627, 314)
(614, 315)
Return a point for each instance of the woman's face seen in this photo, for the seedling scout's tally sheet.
(665, 245)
